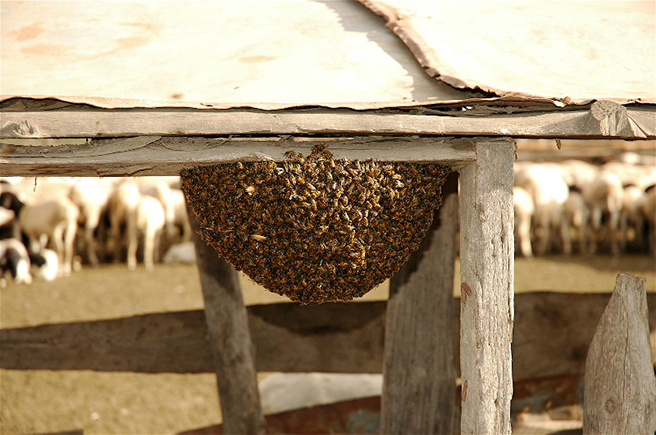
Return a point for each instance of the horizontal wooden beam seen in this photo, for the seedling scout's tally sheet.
(155, 155)
(552, 334)
(287, 337)
(610, 121)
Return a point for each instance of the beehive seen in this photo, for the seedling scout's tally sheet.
(314, 228)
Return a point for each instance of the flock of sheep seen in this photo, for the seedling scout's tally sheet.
(48, 225)
(575, 206)
(98, 219)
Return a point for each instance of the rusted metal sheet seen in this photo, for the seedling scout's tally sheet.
(565, 51)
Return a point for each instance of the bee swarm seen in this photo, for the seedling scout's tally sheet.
(315, 229)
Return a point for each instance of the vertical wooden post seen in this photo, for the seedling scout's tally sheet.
(487, 301)
(230, 340)
(620, 389)
(419, 373)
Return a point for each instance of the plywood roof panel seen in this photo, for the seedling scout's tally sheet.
(273, 54)
(262, 53)
(563, 50)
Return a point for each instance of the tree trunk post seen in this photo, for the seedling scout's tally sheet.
(418, 370)
(487, 301)
(620, 388)
(230, 340)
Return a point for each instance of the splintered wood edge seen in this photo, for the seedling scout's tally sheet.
(638, 122)
(154, 155)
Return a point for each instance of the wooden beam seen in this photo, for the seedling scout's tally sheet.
(419, 372)
(637, 123)
(334, 338)
(620, 387)
(230, 340)
(487, 303)
(552, 335)
(154, 155)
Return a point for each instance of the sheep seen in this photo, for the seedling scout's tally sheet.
(54, 220)
(6, 216)
(180, 217)
(629, 174)
(631, 217)
(524, 210)
(575, 222)
(549, 191)
(11, 206)
(605, 196)
(90, 196)
(15, 259)
(577, 173)
(122, 205)
(648, 209)
(160, 190)
(150, 221)
(139, 214)
(47, 263)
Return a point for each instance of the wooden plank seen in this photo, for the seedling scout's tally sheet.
(154, 155)
(419, 373)
(229, 339)
(346, 417)
(91, 123)
(487, 303)
(337, 338)
(620, 387)
(552, 335)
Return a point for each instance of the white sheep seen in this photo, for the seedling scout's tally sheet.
(605, 197)
(549, 191)
(52, 220)
(524, 210)
(122, 204)
(159, 189)
(150, 222)
(631, 217)
(90, 195)
(180, 217)
(578, 173)
(140, 215)
(575, 222)
(47, 263)
(6, 216)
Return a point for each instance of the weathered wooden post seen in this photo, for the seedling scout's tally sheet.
(620, 387)
(230, 340)
(419, 374)
(487, 302)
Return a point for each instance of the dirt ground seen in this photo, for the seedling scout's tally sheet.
(135, 403)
